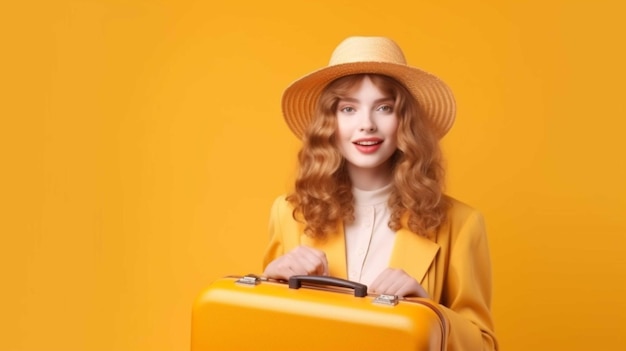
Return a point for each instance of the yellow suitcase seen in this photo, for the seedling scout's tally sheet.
(311, 313)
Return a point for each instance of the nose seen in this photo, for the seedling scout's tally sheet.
(367, 123)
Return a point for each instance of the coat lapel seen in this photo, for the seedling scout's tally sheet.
(413, 253)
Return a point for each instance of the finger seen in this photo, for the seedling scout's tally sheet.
(311, 262)
(324, 262)
(316, 261)
(378, 285)
(408, 289)
(387, 282)
(291, 264)
(279, 268)
(306, 265)
(402, 284)
(396, 279)
(395, 286)
(296, 270)
(294, 264)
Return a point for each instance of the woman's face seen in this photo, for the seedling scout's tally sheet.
(366, 131)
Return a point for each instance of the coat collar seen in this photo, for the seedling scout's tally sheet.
(411, 252)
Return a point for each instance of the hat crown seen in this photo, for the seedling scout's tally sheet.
(367, 49)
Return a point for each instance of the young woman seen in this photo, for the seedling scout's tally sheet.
(368, 203)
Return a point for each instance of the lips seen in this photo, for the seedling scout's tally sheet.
(368, 146)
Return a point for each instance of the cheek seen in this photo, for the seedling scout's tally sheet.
(391, 127)
(341, 146)
(342, 129)
(392, 132)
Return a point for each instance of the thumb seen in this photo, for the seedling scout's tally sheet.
(325, 265)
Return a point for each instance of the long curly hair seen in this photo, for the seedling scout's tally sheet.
(323, 190)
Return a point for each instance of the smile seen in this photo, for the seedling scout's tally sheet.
(367, 147)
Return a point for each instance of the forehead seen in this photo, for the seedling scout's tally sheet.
(351, 84)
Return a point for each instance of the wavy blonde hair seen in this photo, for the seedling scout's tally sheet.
(323, 190)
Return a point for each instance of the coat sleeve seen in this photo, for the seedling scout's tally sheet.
(276, 247)
(467, 296)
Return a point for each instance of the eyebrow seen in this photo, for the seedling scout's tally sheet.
(385, 99)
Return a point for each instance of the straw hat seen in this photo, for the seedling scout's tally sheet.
(377, 55)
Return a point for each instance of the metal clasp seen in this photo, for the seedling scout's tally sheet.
(388, 300)
(248, 280)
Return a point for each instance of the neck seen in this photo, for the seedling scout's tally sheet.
(370, 178)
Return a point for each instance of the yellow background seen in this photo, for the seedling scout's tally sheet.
(142, 143)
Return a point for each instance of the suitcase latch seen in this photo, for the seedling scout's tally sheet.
(389, 300)
(249, 279)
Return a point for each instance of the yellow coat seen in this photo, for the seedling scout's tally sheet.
(454, 267)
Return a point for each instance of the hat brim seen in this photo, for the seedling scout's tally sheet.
(434, 98)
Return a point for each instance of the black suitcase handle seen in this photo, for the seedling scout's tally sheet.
(295, 282)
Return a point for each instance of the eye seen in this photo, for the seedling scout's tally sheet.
(385, 108)
(347, 109)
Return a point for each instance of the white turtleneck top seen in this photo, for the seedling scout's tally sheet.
(369, 240)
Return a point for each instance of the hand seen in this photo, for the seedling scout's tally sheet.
(302, 260)
(397, 282)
